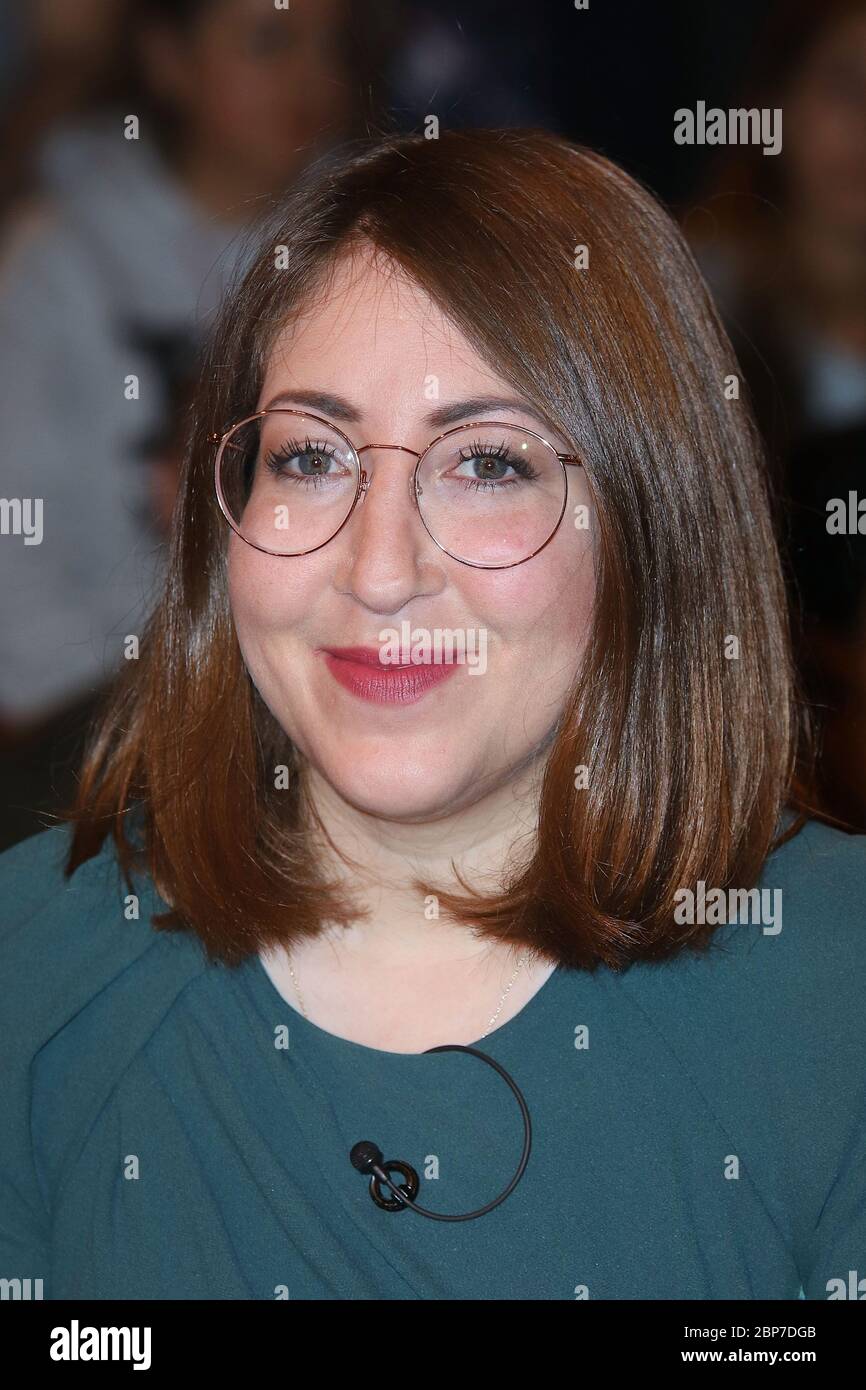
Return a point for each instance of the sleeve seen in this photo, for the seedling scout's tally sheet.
(837, 1256)
(24, 1216)
(73, 972)
(24, 1222)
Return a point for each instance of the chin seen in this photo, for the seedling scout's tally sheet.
(394, 788)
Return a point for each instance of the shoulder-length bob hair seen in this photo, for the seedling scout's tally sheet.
(568, 275)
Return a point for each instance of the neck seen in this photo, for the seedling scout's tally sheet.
(478, 842)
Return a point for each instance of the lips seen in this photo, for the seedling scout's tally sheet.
(361, 671)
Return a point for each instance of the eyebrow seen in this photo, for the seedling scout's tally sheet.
(339, 408)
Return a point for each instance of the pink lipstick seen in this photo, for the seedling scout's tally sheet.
(359, 670)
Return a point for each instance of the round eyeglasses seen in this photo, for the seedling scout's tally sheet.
(489, 494)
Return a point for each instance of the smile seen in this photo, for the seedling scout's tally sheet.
(360, 671)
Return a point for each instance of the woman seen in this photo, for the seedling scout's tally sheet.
(466, 712)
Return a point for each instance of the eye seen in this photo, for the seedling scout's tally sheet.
(303, 462)
(482, 463)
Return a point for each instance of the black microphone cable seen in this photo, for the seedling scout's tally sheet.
(366, 1157)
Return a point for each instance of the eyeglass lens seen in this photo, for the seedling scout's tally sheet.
(488, 495)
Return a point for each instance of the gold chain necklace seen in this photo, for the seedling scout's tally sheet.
(490, 1025)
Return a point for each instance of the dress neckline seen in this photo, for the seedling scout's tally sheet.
(507, 1035)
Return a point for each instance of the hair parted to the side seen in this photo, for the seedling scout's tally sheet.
(692, 757)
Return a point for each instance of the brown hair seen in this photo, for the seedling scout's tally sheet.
(691, 755)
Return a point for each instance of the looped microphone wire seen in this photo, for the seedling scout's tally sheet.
(367, 1157)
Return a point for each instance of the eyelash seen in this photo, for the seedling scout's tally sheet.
(519, 465)
(275, 461)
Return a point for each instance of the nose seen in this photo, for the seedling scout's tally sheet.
(387, 557)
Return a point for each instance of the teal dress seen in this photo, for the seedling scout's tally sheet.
(174, 1129)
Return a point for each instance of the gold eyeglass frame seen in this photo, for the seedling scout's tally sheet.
(364, 482)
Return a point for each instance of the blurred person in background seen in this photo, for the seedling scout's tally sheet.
(782, 240)
(55, 59)
(110, 271)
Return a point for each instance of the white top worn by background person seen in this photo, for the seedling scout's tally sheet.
(110, 246)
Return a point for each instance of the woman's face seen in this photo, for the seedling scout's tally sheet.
(377, 341)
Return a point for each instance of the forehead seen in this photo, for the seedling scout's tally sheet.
(371, 323)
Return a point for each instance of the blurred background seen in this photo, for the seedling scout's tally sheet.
(118, 236)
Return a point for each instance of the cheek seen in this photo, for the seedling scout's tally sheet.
(267, 594)
(546, 603)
